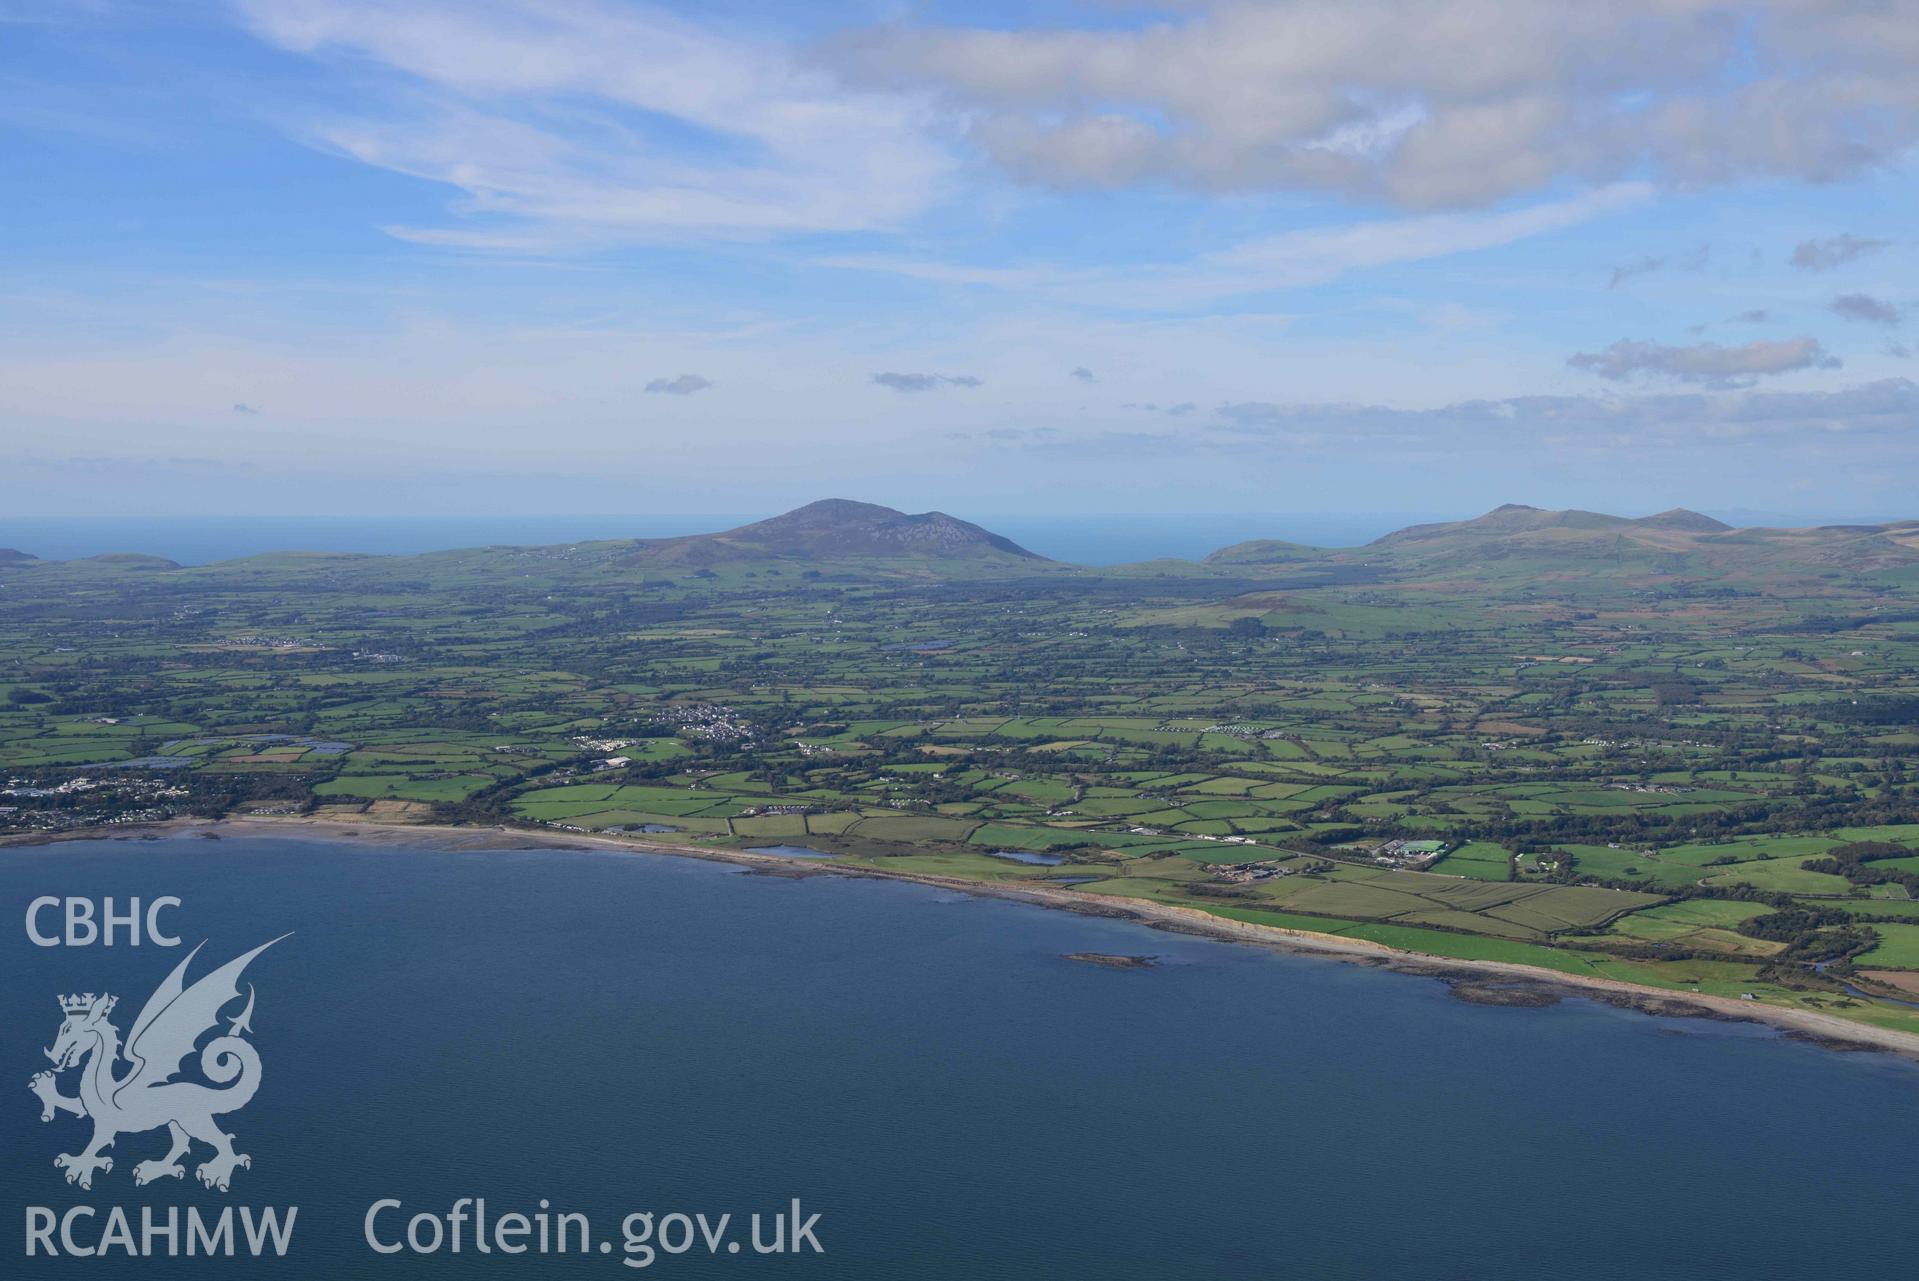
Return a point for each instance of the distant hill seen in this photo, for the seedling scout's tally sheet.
(846, 537)
(1517, 518)
(838, 529)
(1265, 551)
(106, 560)
(1515, 545)
(1680, 518)
(128, 560)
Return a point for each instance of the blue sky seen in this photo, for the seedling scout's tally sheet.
(347, 256)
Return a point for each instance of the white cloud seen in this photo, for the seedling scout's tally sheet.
(1708, 363)
(684, 385)
(924, 382)
(1866, 309)
(1824, 255)
(569, 122)
(1428, 102)
(1884, 409)
(1649, 264)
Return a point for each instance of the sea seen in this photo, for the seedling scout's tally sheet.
(614, 1034)
(1081, 539)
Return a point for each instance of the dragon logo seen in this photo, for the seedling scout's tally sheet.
(147, 1096)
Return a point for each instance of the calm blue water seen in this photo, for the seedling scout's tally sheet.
(925, 1070)
(1086, 540)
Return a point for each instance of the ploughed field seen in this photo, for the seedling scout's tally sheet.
(1655, 772)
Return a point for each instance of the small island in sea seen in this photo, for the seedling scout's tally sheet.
(1114, 960)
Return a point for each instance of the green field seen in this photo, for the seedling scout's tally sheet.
(1898, 947)
(1481, 860)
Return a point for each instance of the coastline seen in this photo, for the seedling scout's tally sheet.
(1487, 982)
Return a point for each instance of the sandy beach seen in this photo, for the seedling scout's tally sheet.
(1492, 982)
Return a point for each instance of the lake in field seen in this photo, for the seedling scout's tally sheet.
(928, 1073)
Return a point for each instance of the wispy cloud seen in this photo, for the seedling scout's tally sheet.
(582, 122)
(1599, 422)
(1293, 259)
(1084, 374)
(1866, 308)
(1883, 406)
(1824, 255)
(1707, 363)
(924, 382)
(1650, 264)
(684, 385)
